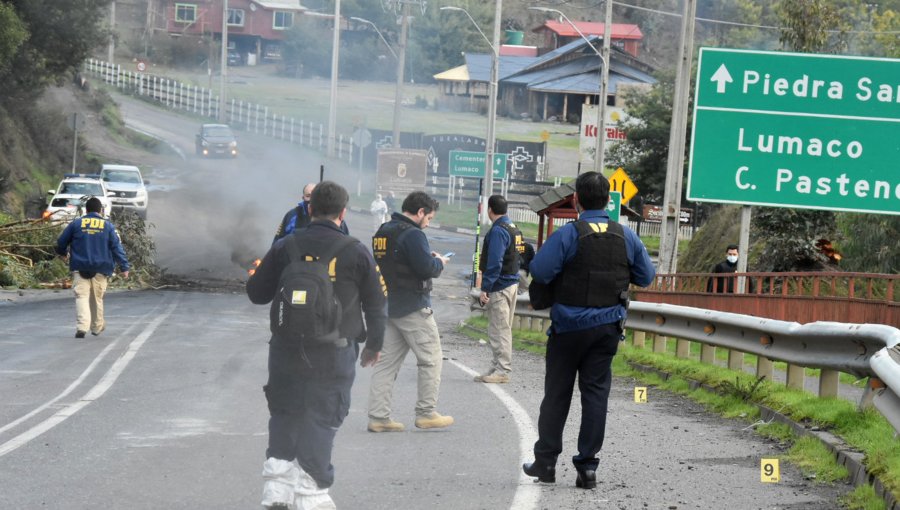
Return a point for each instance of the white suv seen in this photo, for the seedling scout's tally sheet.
(127, 187)
(74, 190)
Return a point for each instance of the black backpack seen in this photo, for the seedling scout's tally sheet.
(306, 309)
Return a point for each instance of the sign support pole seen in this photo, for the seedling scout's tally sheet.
(744, 246)
(476, 255)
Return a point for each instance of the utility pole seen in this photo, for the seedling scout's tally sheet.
(668, 243)
(604, 86)
(401, 65)
(111, 57)
(224, 63)
(332, 104)
(492, 117)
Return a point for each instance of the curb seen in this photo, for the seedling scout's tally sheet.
(844, 454)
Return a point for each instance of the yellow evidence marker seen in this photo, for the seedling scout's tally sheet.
(640, 394)
(768, 471)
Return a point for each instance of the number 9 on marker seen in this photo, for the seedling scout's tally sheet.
(768, 471)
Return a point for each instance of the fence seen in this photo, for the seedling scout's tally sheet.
(242, 115)
(864, 350)
(644, 228)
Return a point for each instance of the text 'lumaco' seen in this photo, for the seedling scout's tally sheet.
(795, 145)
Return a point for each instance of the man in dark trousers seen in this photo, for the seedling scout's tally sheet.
(408, 265)
(590, 264)
(499, 266)
(729, 265)
(308, 391)
(94, 250)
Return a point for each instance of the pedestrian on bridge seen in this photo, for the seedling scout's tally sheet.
(499, 265)
(588, 265)
(408, 266)
(94, 249)
(722, 284)
(320, 282)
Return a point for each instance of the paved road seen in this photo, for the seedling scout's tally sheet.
(165, 409)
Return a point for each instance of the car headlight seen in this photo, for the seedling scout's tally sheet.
(232, 144)
(141, 193)
(204, 143)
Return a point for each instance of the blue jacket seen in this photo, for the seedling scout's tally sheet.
(560, 248)
(497, 241)
(415, 252)
(93, 245)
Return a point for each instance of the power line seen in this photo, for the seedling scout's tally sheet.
(738, 24)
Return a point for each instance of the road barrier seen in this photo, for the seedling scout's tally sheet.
(864, 350)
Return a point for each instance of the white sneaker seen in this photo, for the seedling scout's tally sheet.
(281, 478)
(308, 495)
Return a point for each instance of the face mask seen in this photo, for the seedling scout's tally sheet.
(731, 258)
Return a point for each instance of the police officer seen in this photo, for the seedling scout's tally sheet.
(408, 265)
(94, 250)
(590, 263)
(308, 390)
(299, 216)
(499, 266)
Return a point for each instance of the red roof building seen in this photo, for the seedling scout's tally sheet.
(559, 33)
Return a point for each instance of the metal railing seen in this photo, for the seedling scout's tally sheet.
(864, 350)
(863, 298)
(242, 115)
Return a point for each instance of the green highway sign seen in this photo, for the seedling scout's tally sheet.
(614, 207)
(471, 164)
(796, 130)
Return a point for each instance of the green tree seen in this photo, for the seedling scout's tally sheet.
(60, 36)
(645, 152)
(12, 33)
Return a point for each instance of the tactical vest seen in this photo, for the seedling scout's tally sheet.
(511, 259)
(386, 250)
(599, 274)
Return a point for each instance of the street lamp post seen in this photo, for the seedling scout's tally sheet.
(367, 22)
(600, 157)
(224, 62)
(332, 102)
(492, 105)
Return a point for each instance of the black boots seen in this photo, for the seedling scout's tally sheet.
(546, 474)
(586, 479)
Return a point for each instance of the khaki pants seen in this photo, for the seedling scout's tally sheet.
(89, 302)
(500, 309)
(417, 332)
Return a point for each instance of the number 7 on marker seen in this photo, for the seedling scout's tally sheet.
(640, 394)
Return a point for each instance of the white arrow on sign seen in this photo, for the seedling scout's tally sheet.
(722, 76)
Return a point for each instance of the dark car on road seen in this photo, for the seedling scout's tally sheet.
(216, 140)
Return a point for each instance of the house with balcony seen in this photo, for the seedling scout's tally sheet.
(255, 27)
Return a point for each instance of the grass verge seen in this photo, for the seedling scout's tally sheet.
(735, 395)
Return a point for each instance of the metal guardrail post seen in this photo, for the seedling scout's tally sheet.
(708, 354)
(660, 343)
(682, 348)
(735, 360)
(638, 338)
(765, 368)
(828, 383)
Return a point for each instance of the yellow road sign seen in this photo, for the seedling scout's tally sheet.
(620, 182)
(545, 135)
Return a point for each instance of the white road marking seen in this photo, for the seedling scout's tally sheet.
(94, 393)
(528, 494)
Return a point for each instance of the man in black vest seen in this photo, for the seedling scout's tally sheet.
(308, 391)
(408, 265)
(589, 263)
(499, 266)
